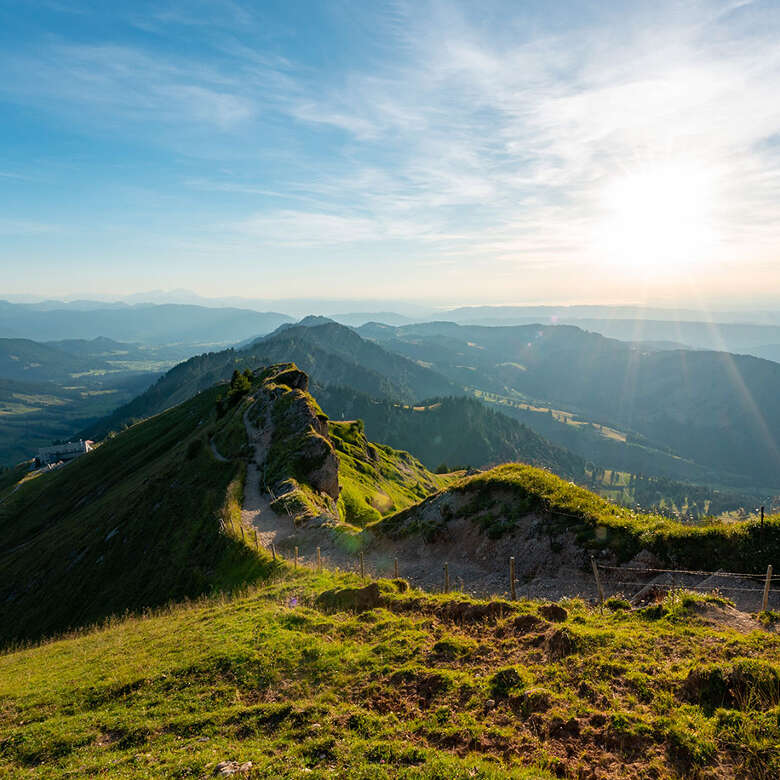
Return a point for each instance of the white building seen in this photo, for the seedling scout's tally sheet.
(58, 452)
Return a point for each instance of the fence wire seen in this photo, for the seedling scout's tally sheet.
(692, 572)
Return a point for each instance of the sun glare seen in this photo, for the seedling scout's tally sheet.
(657, 219)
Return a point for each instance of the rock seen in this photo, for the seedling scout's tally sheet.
(553, 613)
(325, 478)
(294, 378)
(300, 439)
(225, 768)
(354, 599)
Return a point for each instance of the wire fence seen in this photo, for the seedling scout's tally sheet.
(654, 584)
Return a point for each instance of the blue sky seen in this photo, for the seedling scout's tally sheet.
(458, 152)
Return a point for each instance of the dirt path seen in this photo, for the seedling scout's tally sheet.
(257, 511)
(278, 528)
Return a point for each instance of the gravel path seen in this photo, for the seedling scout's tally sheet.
(257, 511)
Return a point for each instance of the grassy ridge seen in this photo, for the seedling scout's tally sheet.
(412, 687)
(133, 524)
(504, 495)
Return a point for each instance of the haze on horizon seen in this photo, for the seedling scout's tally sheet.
(572, 152)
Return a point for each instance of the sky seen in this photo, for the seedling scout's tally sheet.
(491, 152)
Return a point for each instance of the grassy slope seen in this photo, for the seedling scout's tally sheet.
(398, 691)
(133, 524)
(498, 498)
(11, 475)
(377, 480)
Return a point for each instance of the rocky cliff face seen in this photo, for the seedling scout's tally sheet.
(300, 447)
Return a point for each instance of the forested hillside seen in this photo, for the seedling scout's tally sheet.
(449, 432)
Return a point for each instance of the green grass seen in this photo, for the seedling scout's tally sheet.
(11, 475)
(409, 688)
(377, 480)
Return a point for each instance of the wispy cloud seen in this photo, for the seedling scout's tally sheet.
(467, 137)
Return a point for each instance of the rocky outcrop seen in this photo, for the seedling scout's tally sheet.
(293, 378)
(300, 447)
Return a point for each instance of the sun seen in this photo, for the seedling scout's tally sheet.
(657, 219)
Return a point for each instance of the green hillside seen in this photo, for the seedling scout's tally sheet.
(501, 499)
(377, 480)
(296, 679)
(136, 523)
(454, 431)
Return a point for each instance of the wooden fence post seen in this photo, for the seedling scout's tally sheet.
(446, 578)
(598, 580)
(319, 560)
(396, 568)
(273, 551)
(512, 592)
(362, 566)
(296, 557)
(257, 544)
(765, 600)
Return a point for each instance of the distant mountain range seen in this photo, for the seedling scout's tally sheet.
(181, 317)
(718, 409)
(330, 353)
(145, 323)
(641, 407)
